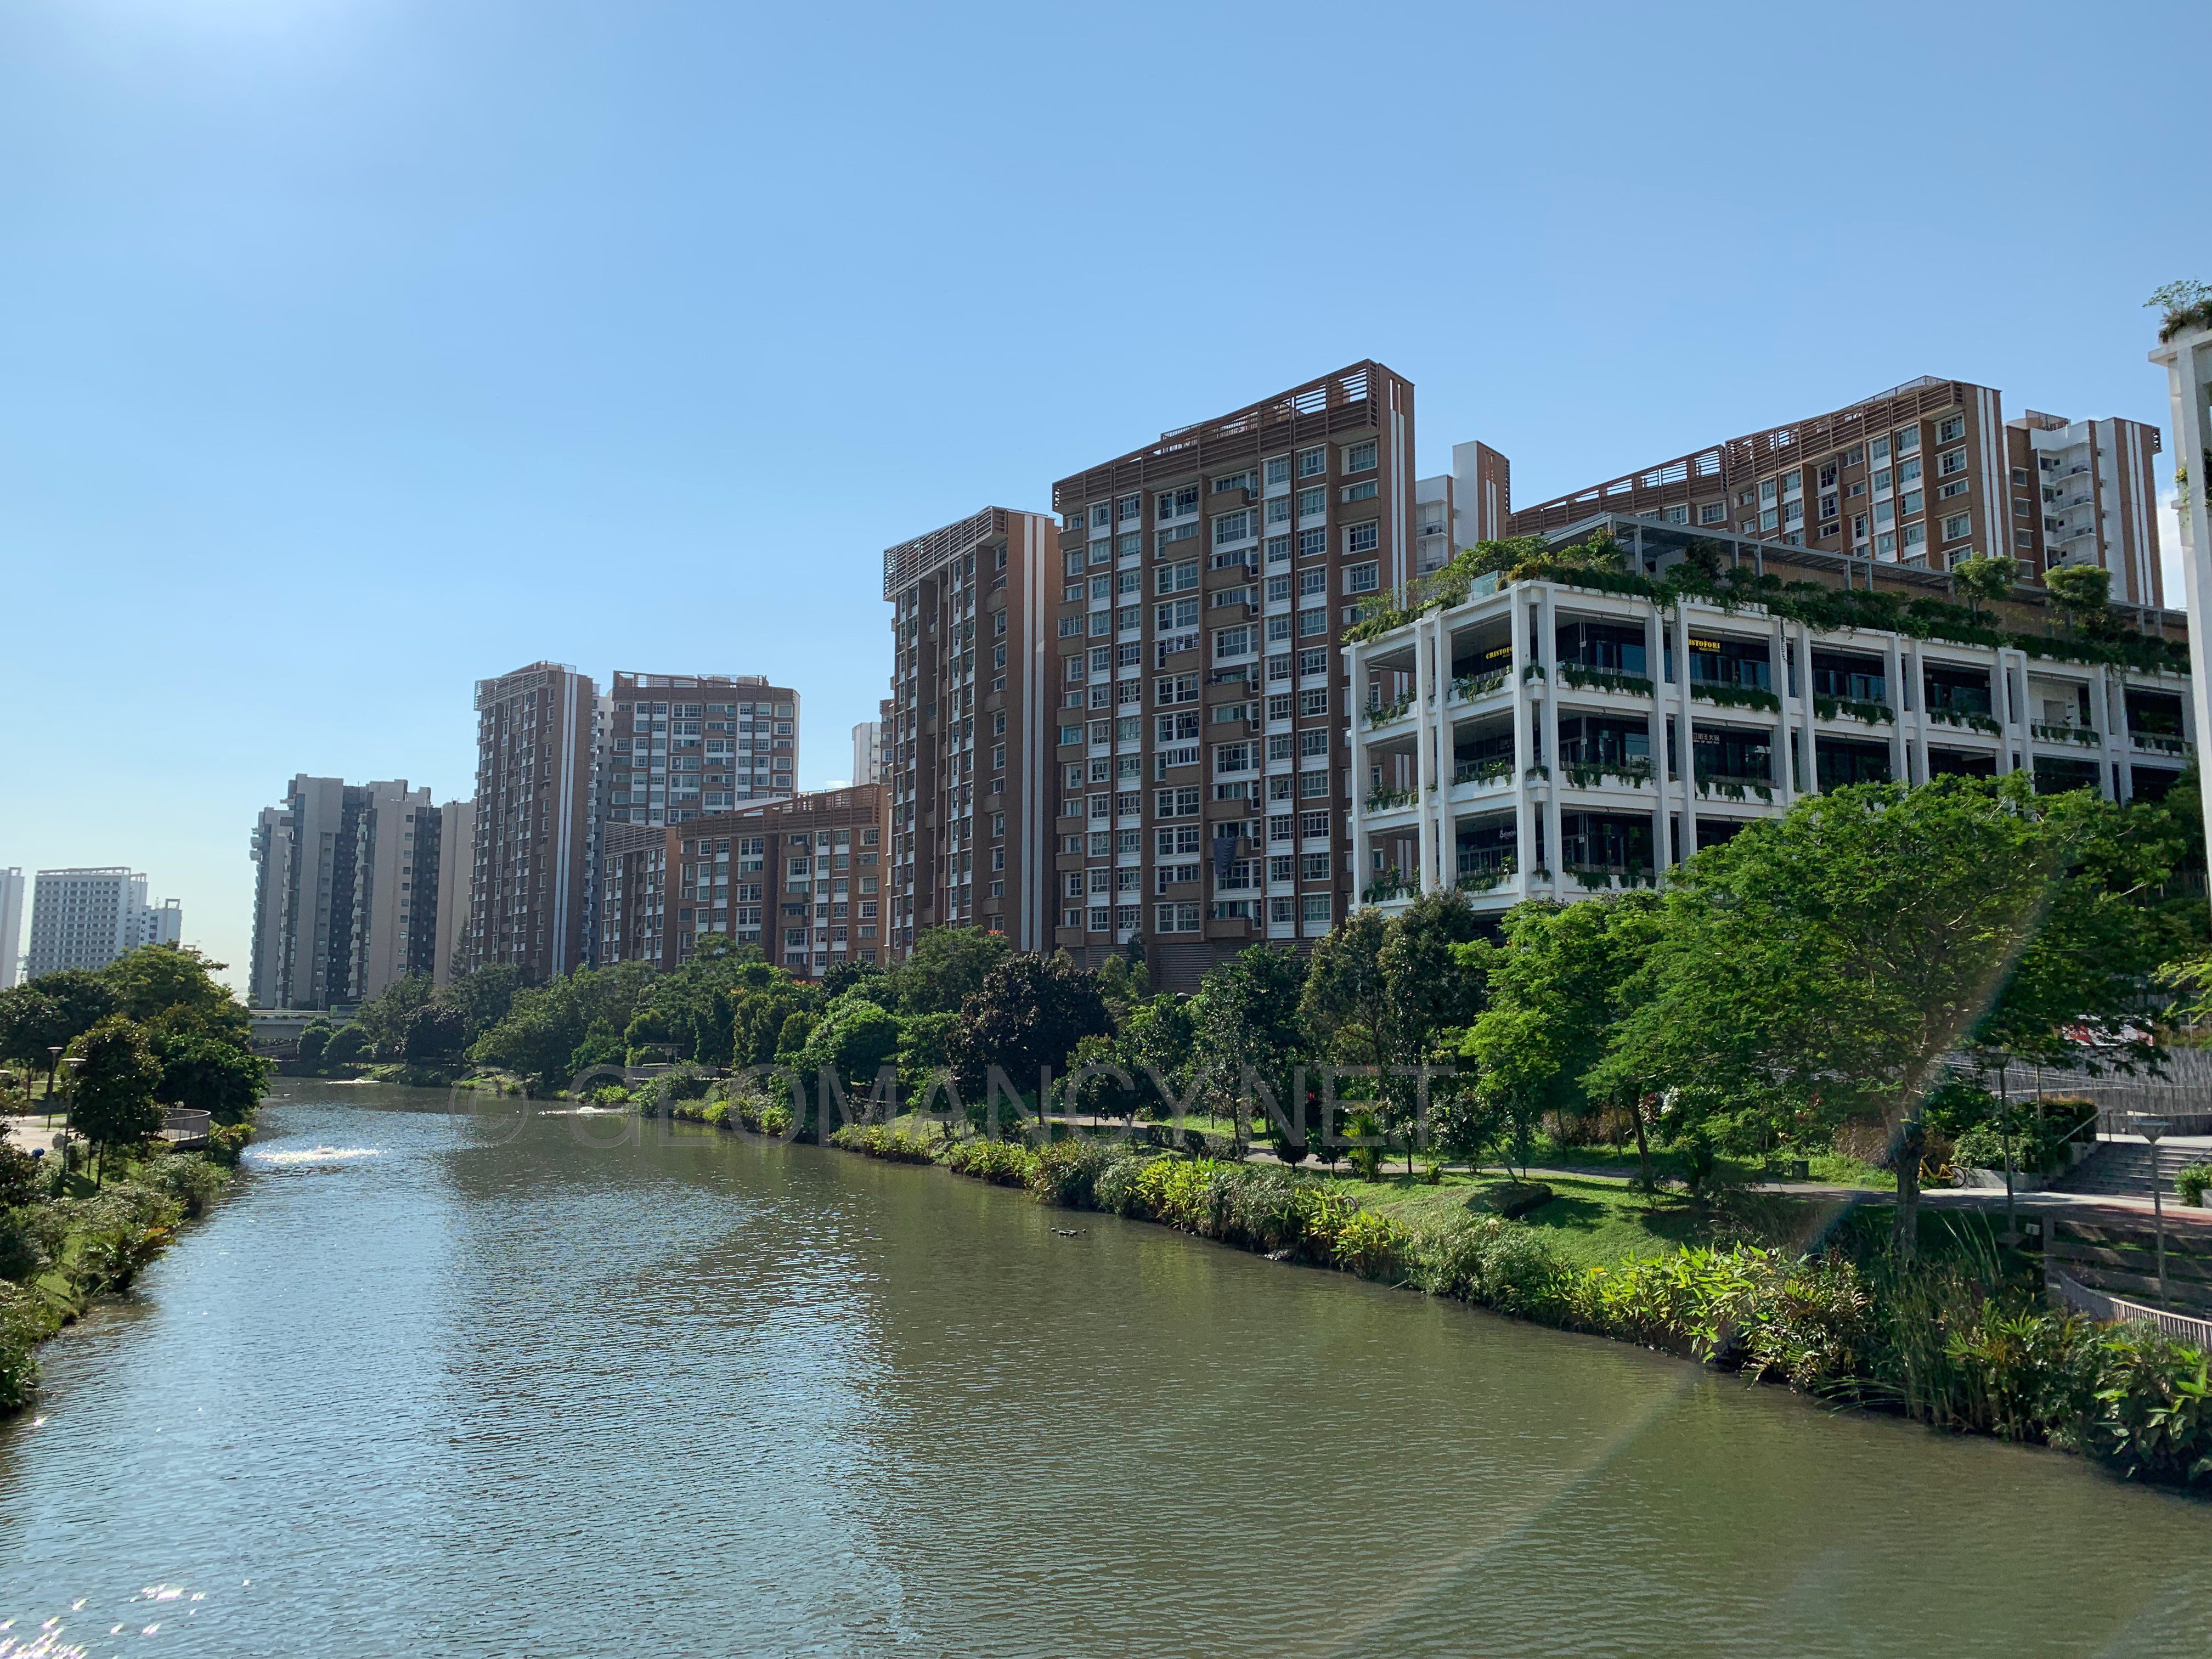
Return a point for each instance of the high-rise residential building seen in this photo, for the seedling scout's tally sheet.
(535, 735)
(674, 747)
(967, 756)
(1458, 508)
(1206, 581)
(1548, 740)
(86, 918)
(802, 878)
(1923, 475)
(346, 892)
(2082, 494)
(457, 860)
(868, 752)
(11, 924)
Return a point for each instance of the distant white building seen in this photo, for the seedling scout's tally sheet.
(86, 918)
(11, 924)
(868, 752)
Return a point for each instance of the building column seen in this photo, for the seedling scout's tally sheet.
(1663, 851)
(1686, 731)
(1425, 759)
(1524, 747)
(1548, 648)
(1900, 764)
(1777, 673)
(1356, 654)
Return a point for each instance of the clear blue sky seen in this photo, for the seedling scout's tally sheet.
(353, 349)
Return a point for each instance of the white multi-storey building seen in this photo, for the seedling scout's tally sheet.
(1547, 739)
(11, 924)
(868, 752)
(86, 918)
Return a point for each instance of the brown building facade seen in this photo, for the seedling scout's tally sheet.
(1202, 756)
(677, 747)
(804, 879)
(533, 841)
(1923, 475)
(968, 773)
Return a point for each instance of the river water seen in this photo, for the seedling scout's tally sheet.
(458, 1380)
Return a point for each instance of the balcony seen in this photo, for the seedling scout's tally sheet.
(1604, 877)
(1479, 874)
(1470, 687)
(1391, 884)
(1383, 713)
(1496, 769)
(1600, 679)
(1629, 774)
(1736, 786)
(1388, 800)
(2088, 737)
(1854, 709)
(2158, 742)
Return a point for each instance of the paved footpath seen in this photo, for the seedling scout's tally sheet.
(32, 1134)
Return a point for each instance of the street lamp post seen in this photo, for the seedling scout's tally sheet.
(2004, 1125)
(2150, 1129)
(53, 1065)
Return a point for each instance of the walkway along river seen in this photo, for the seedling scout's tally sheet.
(446, 1378)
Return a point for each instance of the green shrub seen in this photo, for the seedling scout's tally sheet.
(1001, 1162)
(1067, 1171)
(24, 1323)
(880, 1140)
(2191, 1183)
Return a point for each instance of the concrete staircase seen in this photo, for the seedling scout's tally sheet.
(2123, 1168)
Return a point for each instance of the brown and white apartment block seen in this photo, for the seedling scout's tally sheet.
(1205, 582)
(1923, 475)
(803, 878)
(967, 762)
(533, 821)
(676, 747)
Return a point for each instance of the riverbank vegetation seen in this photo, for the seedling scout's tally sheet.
(153, 1028)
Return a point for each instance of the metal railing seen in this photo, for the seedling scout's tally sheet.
(2115, 1309)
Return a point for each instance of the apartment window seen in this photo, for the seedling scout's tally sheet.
(1234, 527)
(1177, 503)
(1175, 802)
(1232, 480)
(1312, 542)
(1827, 506)
(1313, 743)
(1101, 515)
(1792, 483)
(1071, 734)
(1279, 550)
(1278, 746)
(1071, 627)
(1767, 489)
(1314, 700)
(1950, 461)
(1174, 918)
(1316, 909)
(1312, 662)
(1956, 486)
(1945, 432)
(1907, 472)
(1793, 512)
(1361, 578)
(1231, 642)
(1828, 476)
(1314, 622)
(1916, 535)
(1177, 578)
(1713, 512)
(1129, 509)
(1358, 456)
(1911, 501)
(1768, 519)
(1958, 525)
(1314, 866)
(1312, 462)
(1279, 509)
(1129, 546)
(1360, 492)
(1174, 689)
(1885, 544)
(1362, 537)
(1858, 526)
(1880, 451)
(1312, 502)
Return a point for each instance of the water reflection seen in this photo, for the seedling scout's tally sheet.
(499, 1380)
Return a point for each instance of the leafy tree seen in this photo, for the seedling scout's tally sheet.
(437, 1031)
(922, 1051)
(867, 977)
(203, 1069)
(791, 1039)
(1824, 961)
(1246, 1018)
(383, 1019)
(946, 967)
(554, 1030)
(483, 995)
(156, 978)
(313, 1042)
(2080, 593)
(1984, 578)
(853, 1038)
(348, 1045)
(1435, 975)
(1555, 992)
(51, 1012)
(1345, 999)
(111, 1099)
(1029, 1012)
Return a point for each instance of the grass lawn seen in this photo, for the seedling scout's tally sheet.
(1832, 1169)
(1592, 1221)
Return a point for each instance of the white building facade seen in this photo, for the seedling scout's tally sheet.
(1551, 740)
(2187, 360)
(11, 924)
(86, 918)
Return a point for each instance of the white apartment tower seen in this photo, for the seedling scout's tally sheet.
(86, 918)
(11, 924)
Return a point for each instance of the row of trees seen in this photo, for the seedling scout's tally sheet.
(153, 1027)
